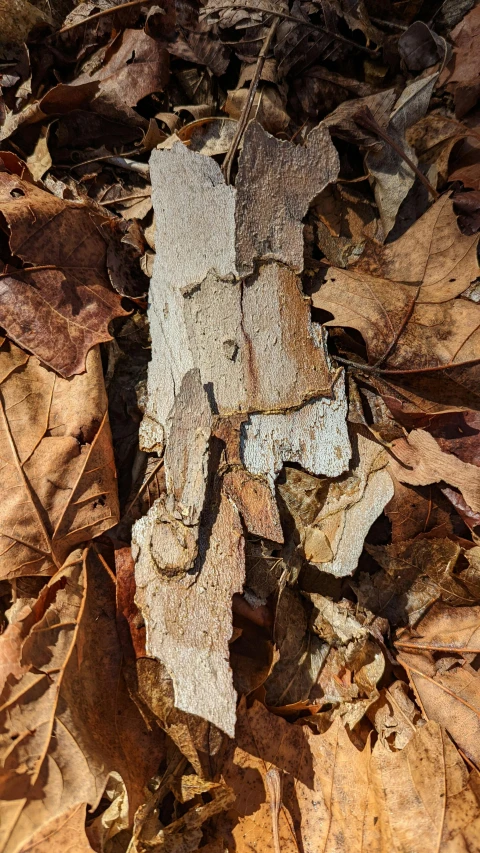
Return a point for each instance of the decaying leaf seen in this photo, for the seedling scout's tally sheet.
(416, 574)
(392, 297)
(419, 460)
(448, 691)
(393, 177)
(62, 306)
(57, 462)
(395, 716)
(300, 654)
(134, 66)
(58, 742)
(337, 798)
(62, 834)
(461, 75)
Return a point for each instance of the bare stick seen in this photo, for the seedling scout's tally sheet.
(242, 123)
(370, 368)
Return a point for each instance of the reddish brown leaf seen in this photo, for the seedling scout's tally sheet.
(61, 311)
(135, 65)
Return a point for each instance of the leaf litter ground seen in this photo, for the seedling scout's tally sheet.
(240, 397)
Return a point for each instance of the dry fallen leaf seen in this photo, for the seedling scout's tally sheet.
(57, 462)
(448, 691)
(337, 798)
(392, 296)
(62, 306)
(419, 460)
(62, 834)
(61, 717)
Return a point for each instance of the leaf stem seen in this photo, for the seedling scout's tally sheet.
(15, 272)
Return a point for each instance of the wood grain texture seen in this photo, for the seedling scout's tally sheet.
(275, 184)
(189, 619)
(315, 436)
(194, 212)
(228, 346)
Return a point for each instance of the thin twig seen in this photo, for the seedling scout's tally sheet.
(102, 157)
(123, 198)
(175, 768)
(242, 123)
(286, 17)
(102, 13)
(274, 792)
(370, 368)
(14, 272)
(365, 119)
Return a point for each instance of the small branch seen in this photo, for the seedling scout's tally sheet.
(123, 198)
(14, 272)
(242, 123)
(365, 119)
(371, 368)
(102, 13)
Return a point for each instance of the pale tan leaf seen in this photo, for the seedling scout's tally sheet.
(447, 629)
(448, 691)
(62, 834)
(337, 799)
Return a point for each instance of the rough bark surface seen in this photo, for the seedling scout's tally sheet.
(232, 337)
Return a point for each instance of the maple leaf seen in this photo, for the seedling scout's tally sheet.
(401, 298)
(57, 464)
(59, 834)
(420, 460)
(461, 74)
(68, 720)
(61, 307)
(135, 65)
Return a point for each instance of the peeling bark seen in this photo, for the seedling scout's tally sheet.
(234, 353)
(189, 618)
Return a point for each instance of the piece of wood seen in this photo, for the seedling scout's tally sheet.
(194, 211)
(314, 435)
(276, 183)
(238, 348)
(335, 539)
(189, 618)
(186, 454)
